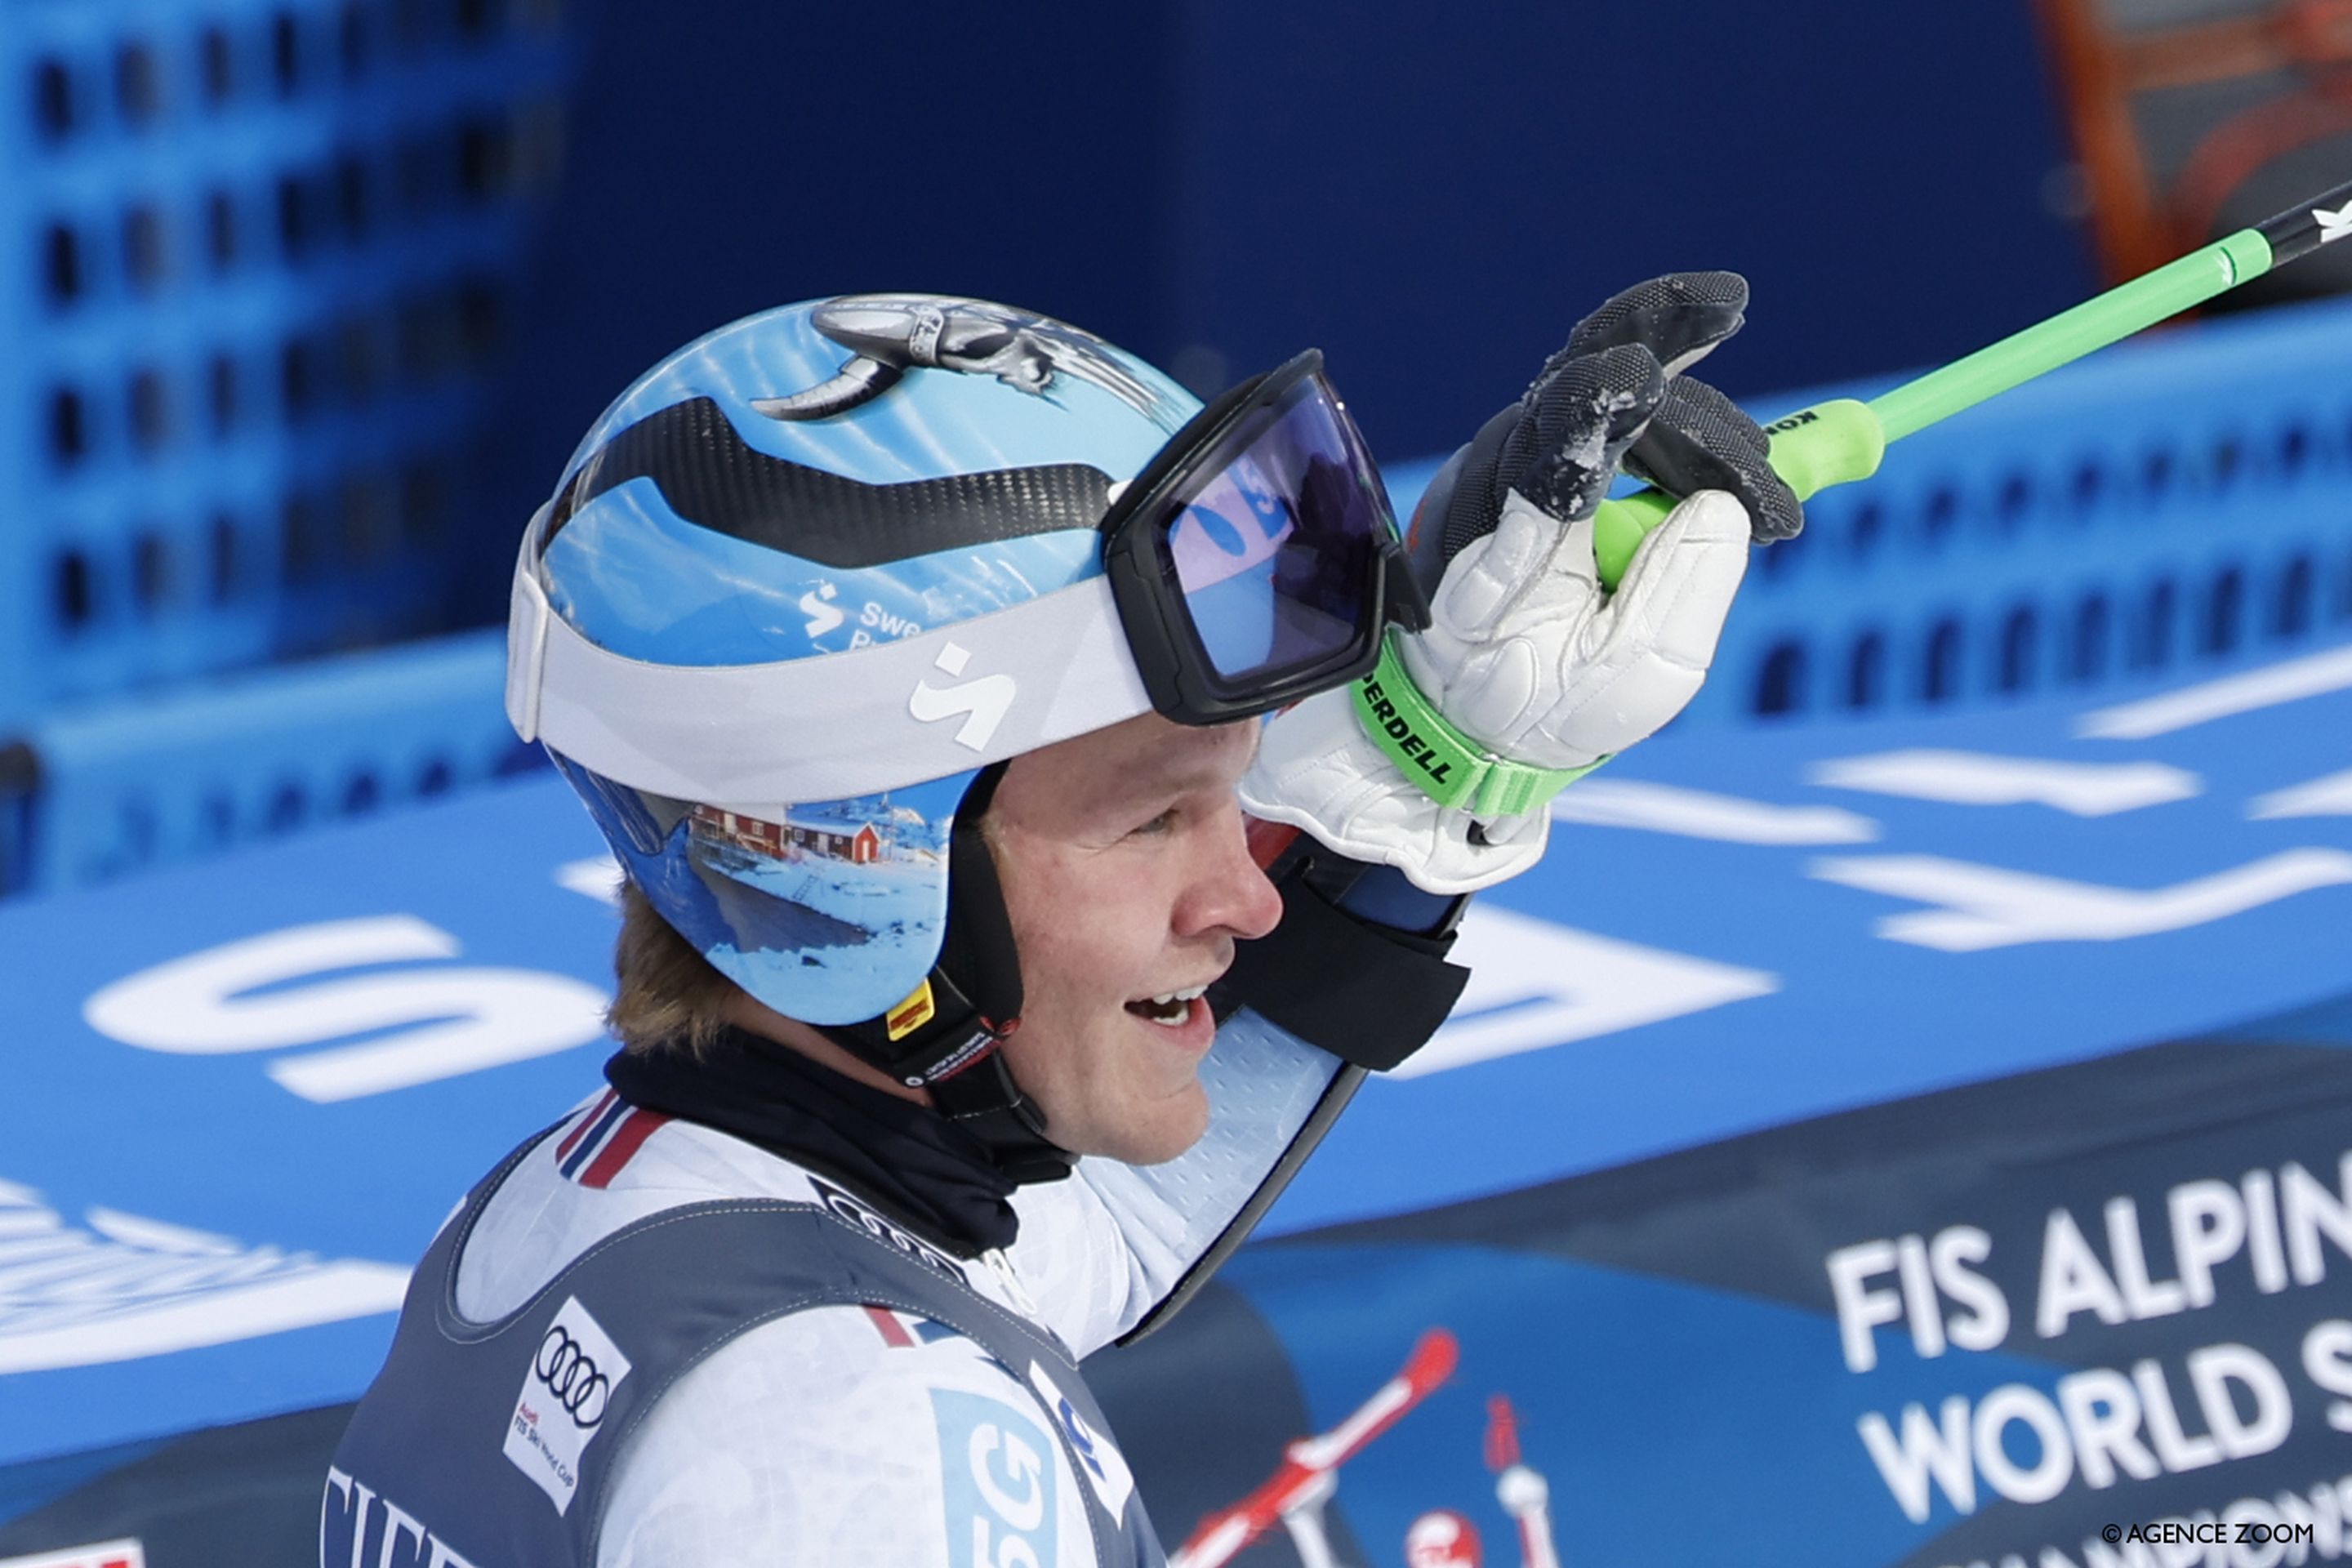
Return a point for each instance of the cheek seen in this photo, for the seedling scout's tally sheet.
(1082, 927)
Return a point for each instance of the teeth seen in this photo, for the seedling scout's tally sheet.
(1170, 1008)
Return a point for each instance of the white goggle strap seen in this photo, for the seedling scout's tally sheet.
(830, 727)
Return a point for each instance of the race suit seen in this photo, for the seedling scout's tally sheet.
(839, 1433)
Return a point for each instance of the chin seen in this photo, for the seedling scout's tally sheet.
(1167, 1131)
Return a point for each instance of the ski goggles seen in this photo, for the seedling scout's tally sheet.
(1255, 561)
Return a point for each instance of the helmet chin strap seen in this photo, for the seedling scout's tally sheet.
(975, 995)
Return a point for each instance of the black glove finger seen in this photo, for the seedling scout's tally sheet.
(1563, 457)
(1559, 447)
(1699, 440)
(1678, 317)
(1464, 502)
(1700, 407)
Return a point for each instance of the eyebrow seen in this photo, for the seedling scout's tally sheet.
(1146, 780)
(1141, 788)
(1205, 773)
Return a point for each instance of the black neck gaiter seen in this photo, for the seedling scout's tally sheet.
(905, 1159)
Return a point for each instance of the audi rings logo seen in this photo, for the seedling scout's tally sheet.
(581, 1388)
(565, 1397)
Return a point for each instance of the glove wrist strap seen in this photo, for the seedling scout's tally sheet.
(1450, 767)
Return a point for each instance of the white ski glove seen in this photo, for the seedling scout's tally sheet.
(1526, 657)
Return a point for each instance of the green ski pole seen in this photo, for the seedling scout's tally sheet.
(1840, 441)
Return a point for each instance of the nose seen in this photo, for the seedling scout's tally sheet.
(1232, 895)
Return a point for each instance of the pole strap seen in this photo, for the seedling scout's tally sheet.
(1450, 767)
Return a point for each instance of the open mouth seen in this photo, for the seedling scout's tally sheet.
(1169, 1010)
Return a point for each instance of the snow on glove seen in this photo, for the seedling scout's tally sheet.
(1527, 657)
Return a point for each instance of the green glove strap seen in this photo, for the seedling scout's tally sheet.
(1451, 768)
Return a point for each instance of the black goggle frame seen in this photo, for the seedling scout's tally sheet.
(1177, 673)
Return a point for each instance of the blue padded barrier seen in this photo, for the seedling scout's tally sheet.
(2178, 503)
(260, 255)
(150, 779)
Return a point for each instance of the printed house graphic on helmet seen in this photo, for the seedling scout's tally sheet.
(861, 845)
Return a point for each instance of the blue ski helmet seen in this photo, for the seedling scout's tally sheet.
(798, 585)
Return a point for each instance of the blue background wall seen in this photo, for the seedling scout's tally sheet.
(1432, 195)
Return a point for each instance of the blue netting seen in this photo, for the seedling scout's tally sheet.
(263, 256)
(118, 787)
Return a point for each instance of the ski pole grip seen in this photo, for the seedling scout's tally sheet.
(1832, 443)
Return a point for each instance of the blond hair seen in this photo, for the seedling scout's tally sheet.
(668, 998)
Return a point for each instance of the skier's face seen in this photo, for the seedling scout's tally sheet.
(1127, 880)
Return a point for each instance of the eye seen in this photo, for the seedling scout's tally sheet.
(1162, 824)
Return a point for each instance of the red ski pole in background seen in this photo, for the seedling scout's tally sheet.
(1525, 1494)
(1293, 1496)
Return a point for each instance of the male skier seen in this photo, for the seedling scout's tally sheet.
(913, 654)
